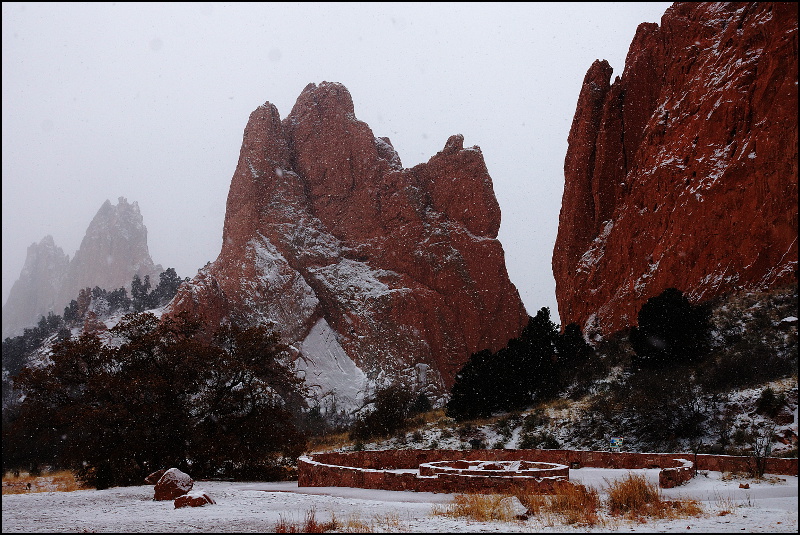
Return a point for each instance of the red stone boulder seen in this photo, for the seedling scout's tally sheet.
(196, 498)
(172, 484)
(153, 478)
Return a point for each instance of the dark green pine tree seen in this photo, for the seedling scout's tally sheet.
(671, 331)
(476, 391)
(139, 293)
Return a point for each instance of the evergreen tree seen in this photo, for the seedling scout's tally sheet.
(523, 371)
(573, 353)
(671, 331)
(475, 391)
(71, 315)
(168, 285)
(139, 293)
(118, 301)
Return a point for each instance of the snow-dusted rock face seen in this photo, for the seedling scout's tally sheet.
(113, 250)
(682, 172)
(370, 270)
(34, 293)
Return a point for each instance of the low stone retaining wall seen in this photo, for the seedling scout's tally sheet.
(391, 469)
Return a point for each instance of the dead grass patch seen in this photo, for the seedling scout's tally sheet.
(329, 442)
(352, 524)
(309, 525)
(570, 503)
(479, 507)
(635, 498)
(24, 483)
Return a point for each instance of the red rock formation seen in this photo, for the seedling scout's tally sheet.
(368, 268)
(683, 172)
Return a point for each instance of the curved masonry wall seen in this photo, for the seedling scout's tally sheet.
(391, 469)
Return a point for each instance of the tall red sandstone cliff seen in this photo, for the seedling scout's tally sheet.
(370, 270)
(683, 171)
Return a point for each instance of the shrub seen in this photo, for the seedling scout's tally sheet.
(671, 331)
(751, 346)
(768, 403)
(544, 440)
(392, 409)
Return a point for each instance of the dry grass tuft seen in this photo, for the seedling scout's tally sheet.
(24, 483)
(479, 507)
(329, 442)
(310, 525)
(725, 505)
(572, 504)
(353, 524)
(635, 498)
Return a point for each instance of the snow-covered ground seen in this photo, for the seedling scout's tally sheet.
(767, 506)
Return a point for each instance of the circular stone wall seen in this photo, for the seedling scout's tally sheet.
(404, 470)
(494, 468)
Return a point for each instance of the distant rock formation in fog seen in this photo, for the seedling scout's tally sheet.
(33, 293)
(113, 250)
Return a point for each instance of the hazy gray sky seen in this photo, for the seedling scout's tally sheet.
(149, 102)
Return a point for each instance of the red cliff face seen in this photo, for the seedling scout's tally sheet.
(371, 271)
(682, 172)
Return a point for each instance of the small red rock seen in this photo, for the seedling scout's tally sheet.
(153, 478)
(197, 498)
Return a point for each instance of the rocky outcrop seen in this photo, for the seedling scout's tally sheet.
(370, 270)
(34, 292)
(683, 171)
(113, 250)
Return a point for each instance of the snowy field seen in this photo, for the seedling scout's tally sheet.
(767, 506)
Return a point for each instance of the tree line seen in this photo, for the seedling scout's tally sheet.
(102, 302)
(161, 394)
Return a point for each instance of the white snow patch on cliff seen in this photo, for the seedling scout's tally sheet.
(331, 374)
(355, 281)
